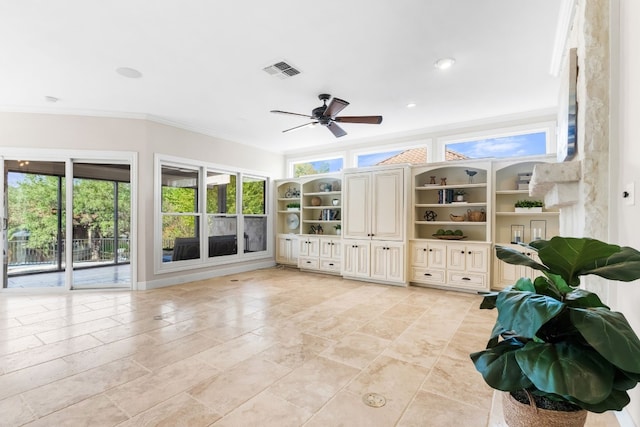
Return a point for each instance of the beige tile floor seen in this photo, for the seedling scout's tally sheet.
(271, 347)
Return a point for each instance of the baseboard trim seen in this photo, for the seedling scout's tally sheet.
(217, 272)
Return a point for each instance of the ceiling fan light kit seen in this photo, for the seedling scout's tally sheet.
(327, 115)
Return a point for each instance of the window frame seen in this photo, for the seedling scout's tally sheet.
(548, 127)
(292, 161)
(204, 260)
(425, 143)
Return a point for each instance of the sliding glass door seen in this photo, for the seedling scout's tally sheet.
(34, 235)
(101, 225)
(43, 245)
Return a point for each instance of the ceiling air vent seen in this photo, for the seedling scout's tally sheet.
(281, 70)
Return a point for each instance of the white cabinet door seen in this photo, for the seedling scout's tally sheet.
(419, 254)
(387, 214)
(477, 259)
(355, 259)
(395, 262)
(456, 257)
(374, 205)
(330, 248)
(387, 261)
(437, 255)
(287, 249)
(356, 221)
(309, 246)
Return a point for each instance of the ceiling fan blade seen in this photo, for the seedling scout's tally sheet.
(335, 106)
(336, 130)
(292, 114)
(371, 120)
(312, 124)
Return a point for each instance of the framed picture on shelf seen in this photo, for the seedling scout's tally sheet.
(517, 233)
(538, 229)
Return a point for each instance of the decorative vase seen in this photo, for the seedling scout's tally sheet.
(518, 414)
(316, 201)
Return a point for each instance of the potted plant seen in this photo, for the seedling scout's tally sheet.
(338, 228)
(529, 206)
(460, 195)
(556, 344)
(293, 206)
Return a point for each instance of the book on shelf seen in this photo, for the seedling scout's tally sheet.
(445, 196)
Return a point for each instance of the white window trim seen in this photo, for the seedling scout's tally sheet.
(291, 161)
(205, 262)
(548, 127)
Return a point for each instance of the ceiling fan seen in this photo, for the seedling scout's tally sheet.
(326, 115)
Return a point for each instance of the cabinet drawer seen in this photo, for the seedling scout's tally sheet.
(469, 280)
(308, 263)
(427, 275)
(330, 265)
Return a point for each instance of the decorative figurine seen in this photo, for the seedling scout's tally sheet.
(443, 181)
(432, 180)
(471, 174)
(430, 216)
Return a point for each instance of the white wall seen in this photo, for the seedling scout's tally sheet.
(625, 71)
(48, 131)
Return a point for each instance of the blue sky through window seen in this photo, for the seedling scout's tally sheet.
(529, 144)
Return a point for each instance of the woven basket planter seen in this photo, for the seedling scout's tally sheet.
(518, 414)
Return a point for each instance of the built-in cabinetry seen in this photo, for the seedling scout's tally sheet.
(508, 274)
(287, 206)
(308, 222)
(321, 253)
(374, 224)
(433, 224)
(511, 227)
(451, 225)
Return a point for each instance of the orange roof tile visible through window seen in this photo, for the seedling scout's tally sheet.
(419, 155)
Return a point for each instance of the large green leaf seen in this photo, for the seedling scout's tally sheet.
(623, 266)
(499, 368)
(617, 400)
(609, 333)
(525, 312)
(513, 256)
(571, 257)
(567, 370)
(581, 298)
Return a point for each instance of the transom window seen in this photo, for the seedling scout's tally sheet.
(526, 144)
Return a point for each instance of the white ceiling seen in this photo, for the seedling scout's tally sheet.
(202, 62)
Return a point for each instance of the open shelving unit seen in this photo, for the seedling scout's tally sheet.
(432, 199)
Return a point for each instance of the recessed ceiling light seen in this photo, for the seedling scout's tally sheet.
(131, 73)
(51, 99)
(444, 63)
(411, 105)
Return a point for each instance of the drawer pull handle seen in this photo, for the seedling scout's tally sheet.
(469, 252)
(427, 274)
(430, 250)
(461, 252)
(465, 278)
(331, 264)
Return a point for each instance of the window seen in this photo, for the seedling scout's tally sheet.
(409, 155)
(222, 215)
(517, 145)
(255, 218)
(315, 167)
(180, 217)
(209, 215)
